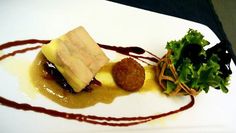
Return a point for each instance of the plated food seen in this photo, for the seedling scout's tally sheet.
(67, 67)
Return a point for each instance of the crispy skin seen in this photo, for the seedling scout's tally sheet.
(128, 74)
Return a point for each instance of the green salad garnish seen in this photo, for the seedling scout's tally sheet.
(189, 68)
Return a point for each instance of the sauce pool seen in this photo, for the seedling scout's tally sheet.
(107, 121)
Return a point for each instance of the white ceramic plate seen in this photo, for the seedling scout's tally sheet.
(113, 24)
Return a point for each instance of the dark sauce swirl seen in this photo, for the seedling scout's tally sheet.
(128, 50)
(107, 121)
(117, 121)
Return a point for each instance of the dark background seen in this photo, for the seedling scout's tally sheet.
(218, 15)
(226, 10)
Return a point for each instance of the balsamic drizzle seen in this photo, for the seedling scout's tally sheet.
(107, 121)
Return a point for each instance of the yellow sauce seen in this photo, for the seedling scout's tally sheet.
(19, 68)
(99, 94)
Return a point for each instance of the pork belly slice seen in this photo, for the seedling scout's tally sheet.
(76, 56)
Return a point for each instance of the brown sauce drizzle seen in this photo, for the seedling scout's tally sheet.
(127, 121)
(128, 50)
(22, 42)
(108, 121)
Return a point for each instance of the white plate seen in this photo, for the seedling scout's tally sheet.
(113, 24)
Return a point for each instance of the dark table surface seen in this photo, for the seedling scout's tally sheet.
(201, 11)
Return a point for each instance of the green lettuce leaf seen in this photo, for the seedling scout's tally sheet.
(192, 37)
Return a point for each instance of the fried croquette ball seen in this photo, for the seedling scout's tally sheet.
(128, 74)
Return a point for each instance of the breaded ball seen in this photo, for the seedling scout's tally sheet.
(128, 74)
